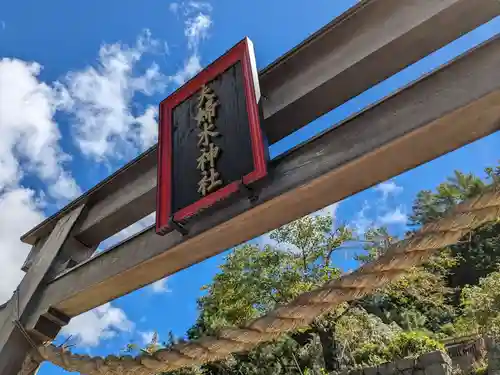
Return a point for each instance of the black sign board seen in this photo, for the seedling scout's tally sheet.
(210, 141)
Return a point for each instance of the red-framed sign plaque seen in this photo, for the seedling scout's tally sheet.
(210, 139)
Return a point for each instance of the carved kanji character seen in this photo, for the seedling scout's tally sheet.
(205, 135)
(209, 181)
(208, 156)
(207, 105)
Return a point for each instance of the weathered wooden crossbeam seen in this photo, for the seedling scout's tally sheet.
(362, 47)
(441, 112)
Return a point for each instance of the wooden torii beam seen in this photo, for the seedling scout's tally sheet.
(435, 115)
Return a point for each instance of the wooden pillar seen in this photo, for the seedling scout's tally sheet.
(46, 258)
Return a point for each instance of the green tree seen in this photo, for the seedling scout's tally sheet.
(376, 241)
(253, 281)
(478, 253)
(430, 206)
(401, 345)
(415, 301)
(481, 307)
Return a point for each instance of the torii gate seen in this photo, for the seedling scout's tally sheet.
(440, 112)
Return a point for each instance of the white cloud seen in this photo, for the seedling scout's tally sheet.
(387, 215)
(361, 222)
(29, 134)
(23, 214)
(100, 100)
(200, 5)
(160, 286)
(197, 29)
(197, 24)
(396, 216)
(191, 67)
(64, 187)
(147, 337)
(188, 7)
(174, 7)
(128, 232)
(101, 323)
(382, 213)
(149, 126)
(388, 188)
(29, 145)
(100, 97)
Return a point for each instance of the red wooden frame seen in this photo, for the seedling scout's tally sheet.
(243, 53)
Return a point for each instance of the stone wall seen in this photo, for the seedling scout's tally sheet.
(493, 345)
(434, 363)
(465, 354)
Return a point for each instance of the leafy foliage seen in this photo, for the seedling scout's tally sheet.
(431, 206)
(376, 242)
(402, 345)
(416, 301)
(254, 280)
(412, 344)
(481, 307)
(476, 255)
(480, 370)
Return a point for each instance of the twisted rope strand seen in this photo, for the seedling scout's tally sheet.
(398, 259)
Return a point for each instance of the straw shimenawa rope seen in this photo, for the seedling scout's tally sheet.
(399, 258)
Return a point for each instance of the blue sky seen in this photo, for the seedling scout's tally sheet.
(79, 86)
